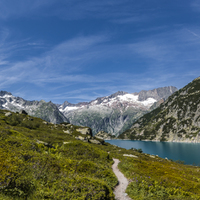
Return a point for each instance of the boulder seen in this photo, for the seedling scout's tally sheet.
(66, 142)
(103, 135)
(130, 155)
(95, 141)
(8, 114)
(80, 138)
(67, 131)
(85, 131)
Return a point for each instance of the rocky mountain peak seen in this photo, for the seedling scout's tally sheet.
(3, 93)
(45, 110)
(117, 94)
(116, 112)
(158, 93)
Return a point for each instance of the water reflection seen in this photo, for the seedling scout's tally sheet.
(187, 152)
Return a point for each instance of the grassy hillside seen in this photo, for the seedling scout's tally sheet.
(38, 160)
(38, 163)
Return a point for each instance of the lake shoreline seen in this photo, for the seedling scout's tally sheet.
(189, 142)
(183, 151)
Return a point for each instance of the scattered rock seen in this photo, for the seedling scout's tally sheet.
(85, 131)
(152, 156)
(8, 114)
(44, 122)
(103, 135)
(95, 141)
(67, 131)
(130, 155)
(45, 144)
(66, 142)
(80, 138)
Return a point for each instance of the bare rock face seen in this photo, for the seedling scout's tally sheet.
(115, 113)
(177, 119)
(158, 93)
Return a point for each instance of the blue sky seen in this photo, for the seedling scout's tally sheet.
(78, 50)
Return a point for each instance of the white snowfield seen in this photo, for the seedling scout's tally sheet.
(7, 96)
(126, 99)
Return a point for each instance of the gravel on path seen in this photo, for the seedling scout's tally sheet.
(120, 189)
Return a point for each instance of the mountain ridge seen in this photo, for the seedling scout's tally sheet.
(45, 110)
(116, 112)
(176, 120)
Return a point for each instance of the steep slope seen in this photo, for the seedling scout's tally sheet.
(45, 110)
(177, 119)
(115, 113)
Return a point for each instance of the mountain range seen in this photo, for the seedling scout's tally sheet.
(113, 114)
(45, 110)
(117, 112)
(176, 120)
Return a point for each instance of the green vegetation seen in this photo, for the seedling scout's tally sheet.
(152, 177)
(38, 160)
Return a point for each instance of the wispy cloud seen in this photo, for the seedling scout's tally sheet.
(193, 33)
(195, 5)
(67, 57)
(65, 66)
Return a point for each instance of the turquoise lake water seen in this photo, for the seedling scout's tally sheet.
(187, 152)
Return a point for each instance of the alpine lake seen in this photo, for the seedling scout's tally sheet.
(189, 153)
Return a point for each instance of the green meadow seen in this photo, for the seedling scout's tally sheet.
(38, 160)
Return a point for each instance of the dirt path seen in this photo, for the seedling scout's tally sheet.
(123, 183)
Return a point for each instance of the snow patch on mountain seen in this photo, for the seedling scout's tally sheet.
(114, 113)
(122, 100)
(149, 102)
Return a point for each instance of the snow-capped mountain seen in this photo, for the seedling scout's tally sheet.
(115, 113)
(45, 110)
(117, 100)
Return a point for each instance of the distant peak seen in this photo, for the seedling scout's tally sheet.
(157, 93)
(117, 94)
(42, 101)
(3, 93)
